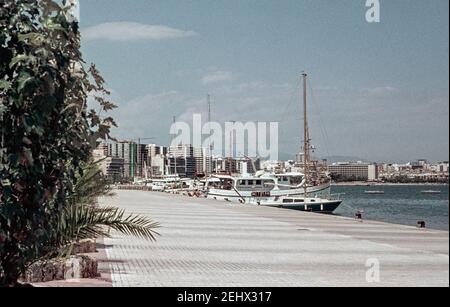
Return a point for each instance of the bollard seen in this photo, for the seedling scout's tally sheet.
(359, 215)
(421, 224)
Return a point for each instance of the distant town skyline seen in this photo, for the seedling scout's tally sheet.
(378, 91)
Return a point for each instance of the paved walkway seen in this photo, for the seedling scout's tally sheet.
(211, 243)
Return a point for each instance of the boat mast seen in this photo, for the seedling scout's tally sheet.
(306, 146)
(209, 168)
(175, 149)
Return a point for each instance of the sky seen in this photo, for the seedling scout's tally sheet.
(377, 91)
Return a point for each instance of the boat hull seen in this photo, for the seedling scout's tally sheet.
(327, 208)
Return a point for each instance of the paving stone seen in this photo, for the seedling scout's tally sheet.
(210, 243)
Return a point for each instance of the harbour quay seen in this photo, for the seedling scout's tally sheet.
(208, 243)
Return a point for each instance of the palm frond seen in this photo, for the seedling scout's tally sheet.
(90, 185)
(135, 225)
(85, 222)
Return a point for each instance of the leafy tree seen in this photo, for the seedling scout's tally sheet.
(46, 128)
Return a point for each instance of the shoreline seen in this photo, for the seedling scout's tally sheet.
(366, 184)
(381, 221)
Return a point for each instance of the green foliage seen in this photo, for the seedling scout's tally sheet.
(86, 221)
(90, 185)
(82, 219)
(406, 179)
(46, 129)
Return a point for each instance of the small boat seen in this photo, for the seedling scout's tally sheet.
(431, 192)
(374, 192)
(168, 183)
(308, 204)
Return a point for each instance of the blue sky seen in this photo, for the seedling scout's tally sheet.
(380, 91)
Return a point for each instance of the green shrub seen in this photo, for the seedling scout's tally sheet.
(46, 129)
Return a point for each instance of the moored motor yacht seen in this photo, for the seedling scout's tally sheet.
(265, 187)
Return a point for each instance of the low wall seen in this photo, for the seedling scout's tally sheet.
(76, 267)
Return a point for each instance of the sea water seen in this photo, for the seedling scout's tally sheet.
(399, 204)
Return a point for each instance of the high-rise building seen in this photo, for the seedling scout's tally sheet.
(156, 160)
(236, 165)
(158, 166)
(203, 161)
(126, 151)
(141, 160)
(354, 171)
(252, 165)
(154, 150)
(135, 157)
(112, 167)
(181, 161)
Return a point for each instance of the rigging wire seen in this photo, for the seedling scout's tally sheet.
(285, 113)
(323, 129)
(291, 99)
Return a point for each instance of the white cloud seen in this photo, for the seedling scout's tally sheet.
(217, 77)
(131, 31)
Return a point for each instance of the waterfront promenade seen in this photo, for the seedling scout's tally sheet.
(210, 243)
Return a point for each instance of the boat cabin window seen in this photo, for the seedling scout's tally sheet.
(299, 200)
(251, 184)
(223, 184)
(288, 200)
(291, 180)
(283, 179)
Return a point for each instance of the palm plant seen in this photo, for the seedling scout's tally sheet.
(79, 222)
(90, 185)
(83, 219)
